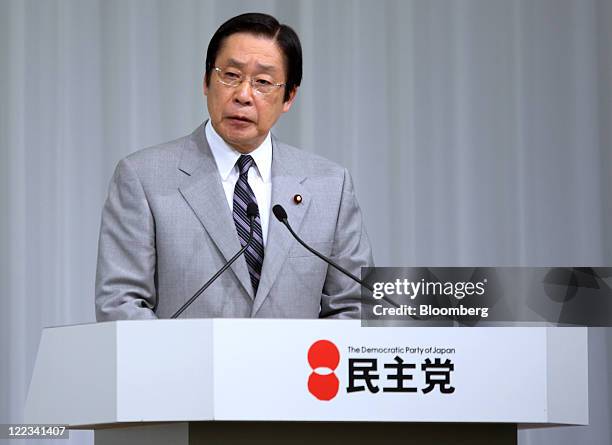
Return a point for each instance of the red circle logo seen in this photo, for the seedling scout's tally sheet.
(323, 355)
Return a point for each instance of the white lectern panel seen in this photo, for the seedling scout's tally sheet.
(230, 369)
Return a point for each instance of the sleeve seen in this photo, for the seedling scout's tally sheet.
(125, 276)
(351, 249)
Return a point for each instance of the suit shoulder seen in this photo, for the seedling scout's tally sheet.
(156, 167)
(167, 153)
(311, 164)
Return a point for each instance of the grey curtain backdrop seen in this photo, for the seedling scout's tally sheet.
(478, 132)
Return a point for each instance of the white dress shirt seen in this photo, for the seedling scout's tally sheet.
(259, 174)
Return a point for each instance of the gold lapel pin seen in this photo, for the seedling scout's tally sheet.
(297, 199)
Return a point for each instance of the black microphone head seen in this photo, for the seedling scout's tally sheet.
(279, 212)
(252, 210)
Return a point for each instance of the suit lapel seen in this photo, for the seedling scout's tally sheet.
(286, 183)
(204, 193)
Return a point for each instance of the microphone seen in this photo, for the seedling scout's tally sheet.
(281, 215)
(252, 212)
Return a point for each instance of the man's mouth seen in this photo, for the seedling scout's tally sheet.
(240, 119)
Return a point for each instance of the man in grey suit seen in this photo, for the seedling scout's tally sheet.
(176, 212)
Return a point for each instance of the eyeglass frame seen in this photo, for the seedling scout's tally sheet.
(251, 80)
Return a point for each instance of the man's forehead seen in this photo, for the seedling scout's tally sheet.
(241, 50)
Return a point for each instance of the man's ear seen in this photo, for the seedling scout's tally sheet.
(205, 86)
(287, 104)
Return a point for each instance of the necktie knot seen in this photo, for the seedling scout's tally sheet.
(244, 163)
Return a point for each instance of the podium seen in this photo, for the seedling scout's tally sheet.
(239, 381)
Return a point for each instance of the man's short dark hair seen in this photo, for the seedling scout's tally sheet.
(267, 26)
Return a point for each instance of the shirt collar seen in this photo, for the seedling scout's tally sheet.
(226, 156)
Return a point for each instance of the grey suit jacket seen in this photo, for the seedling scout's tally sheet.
(167, 228)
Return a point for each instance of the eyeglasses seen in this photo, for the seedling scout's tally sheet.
(231, 77)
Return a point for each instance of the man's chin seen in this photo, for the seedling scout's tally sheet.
(242, 138)
(242, 144)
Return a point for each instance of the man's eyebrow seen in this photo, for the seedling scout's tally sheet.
(236, 63)
(268, 68)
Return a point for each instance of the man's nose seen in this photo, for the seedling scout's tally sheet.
(244, 93)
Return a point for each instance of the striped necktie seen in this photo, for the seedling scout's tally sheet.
(243, 195)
